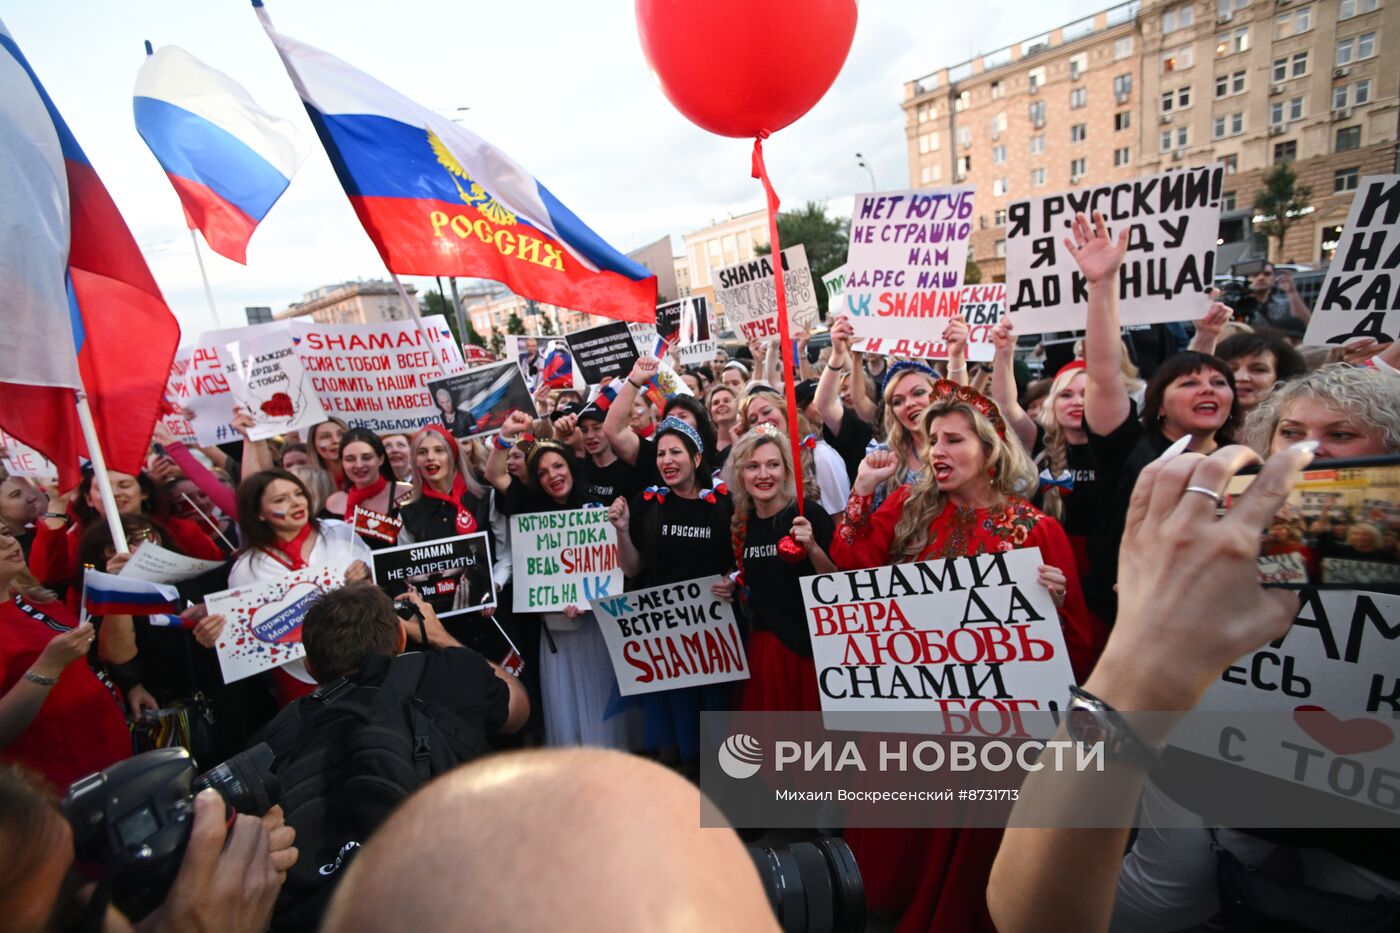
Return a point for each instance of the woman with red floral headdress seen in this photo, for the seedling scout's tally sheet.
(967, 501)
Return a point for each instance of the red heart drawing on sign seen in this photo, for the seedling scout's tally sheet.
(1343, 736)
(278, 406)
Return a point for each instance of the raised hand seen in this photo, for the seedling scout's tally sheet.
(619, 514)
(956, 335)
(875, 469)
(1004, 336)
(643, 370)
(1098, 256)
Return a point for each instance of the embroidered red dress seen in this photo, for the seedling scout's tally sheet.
(937, 878)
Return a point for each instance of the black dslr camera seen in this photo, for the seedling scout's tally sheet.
(134, 818)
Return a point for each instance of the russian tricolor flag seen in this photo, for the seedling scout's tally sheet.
(106, 594)
(228, 159)
(558, 369)
(80, 311)
(438, 200)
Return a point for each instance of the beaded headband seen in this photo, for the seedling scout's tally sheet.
(945, 390)
(905, 366)
(679, 426)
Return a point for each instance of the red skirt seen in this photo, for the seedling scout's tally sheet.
(780, 680)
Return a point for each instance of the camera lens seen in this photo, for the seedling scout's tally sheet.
(245, 781)
(813, 886)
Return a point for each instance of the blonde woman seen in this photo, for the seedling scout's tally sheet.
(774, 547)
(967, 501)
(822, 469)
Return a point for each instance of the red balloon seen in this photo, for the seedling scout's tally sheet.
(745, 68)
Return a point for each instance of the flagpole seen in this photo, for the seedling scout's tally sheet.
(208, 292)
(422, 324)
(104, 482)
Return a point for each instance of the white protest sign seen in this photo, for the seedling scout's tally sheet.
(941, 638)
(263, 620)
(980, 305)
(835, 284)
(1361, 295)
(22, 460)
(750, 299)
(376, 376)
(155, 564)
(905, 263)
(266, 379)
(176, 423)
(1173, 222)
(1337, 662)
(563, 559)
(672, 636)
(205, 389)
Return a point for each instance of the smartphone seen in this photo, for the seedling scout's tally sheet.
(158, 448)
(1338, 529)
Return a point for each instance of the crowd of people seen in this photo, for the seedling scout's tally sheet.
(900, 460)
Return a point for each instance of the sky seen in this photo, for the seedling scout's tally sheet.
(560, 85)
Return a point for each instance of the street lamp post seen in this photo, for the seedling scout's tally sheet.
(860, 160)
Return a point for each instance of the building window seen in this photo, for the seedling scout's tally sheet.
(998, 155)
(1299, 66)
(1228, 125)
(1034, 79)
(999, 249)
(1122, 156)
(1037, 145)
(1229, 43)
(998, 90)
(1078, 98)
(1078, 64)
(964, 136)
(1280, 72)
(1226, 9)
(962, 101)
(1294, 23)
(1037, 114)
(1349, 8)
(999, 187)
(930, 174)
(1166, 141)
(1168, 101)
(1038, 178)
(1356, 48)
(1078, 132)
(1122, 86)
(1348, 137)
(1362, 94)
(1231, 163)
(1176, 18)
(1122, 120)
(1345, 179)
(1177, 59)
(999, 123)
(1179, 99)
(1227, 201)
(928, 112)
(1077, 168)
(1222, 86)
(1295, 109)
(928, 142)
(964, 166)
(1285, 152)
(1122, 48)
(999, 217)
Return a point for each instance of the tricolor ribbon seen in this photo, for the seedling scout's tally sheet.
(1064, 482)
(659, 493)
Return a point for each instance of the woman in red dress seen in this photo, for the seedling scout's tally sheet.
(964, 503)
(56, 717)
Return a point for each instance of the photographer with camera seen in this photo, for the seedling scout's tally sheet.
(1272, 300)
(381, 724)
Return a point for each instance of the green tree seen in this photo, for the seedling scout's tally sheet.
(498, 344)
(972, 275)
(547, 328)
(1280, 202)
(514, 325)
(825, 238)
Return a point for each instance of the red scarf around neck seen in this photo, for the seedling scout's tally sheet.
(466, 522)
(288, 553)
(356, 495)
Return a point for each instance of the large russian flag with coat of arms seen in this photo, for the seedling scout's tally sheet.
(438, 200)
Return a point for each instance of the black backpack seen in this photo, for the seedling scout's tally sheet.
(346, 756)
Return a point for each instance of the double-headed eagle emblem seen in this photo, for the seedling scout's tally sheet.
(473, 194)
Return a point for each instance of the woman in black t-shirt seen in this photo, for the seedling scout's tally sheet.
(774, 547)
(668, 534)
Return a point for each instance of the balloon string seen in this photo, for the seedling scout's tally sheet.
(760, 171)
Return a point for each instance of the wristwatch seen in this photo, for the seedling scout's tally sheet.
(1092, 722)
(61, 516)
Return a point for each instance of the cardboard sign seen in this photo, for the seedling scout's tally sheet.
(22, 460)
(263, 628)
(476, 403)
(266, 379)
(1173, 223)
(453, 575)
(155, 564)
(1361, 295)
(672, 636)
(980, 305)
(750, 301)
(945, 638)
(376, 376)
(685, 325)
(905, 265)
(602, 352)
(1337, 662)
(562, 559)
